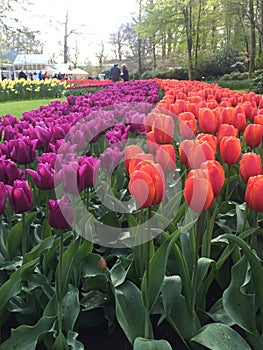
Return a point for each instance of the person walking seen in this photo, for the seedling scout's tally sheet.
(125, 72)
(115, 73)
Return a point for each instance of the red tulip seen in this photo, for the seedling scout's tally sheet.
(253, 135)
(129, 152)
(200, 152)
(61, 214)
(254, 193)
(211, 139)
(198, 191)
(140, 157)
(228, 115)
(258, 119)
(163, 129)
(184, 150)
(216, 175)
(187, 125)
(240, 122)
(225, 130)
(230, 149)
(147, 184)
(151, 143)
(165, 156)
(250, 165)
(207, 120)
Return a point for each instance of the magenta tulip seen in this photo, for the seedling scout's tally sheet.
(60, 213)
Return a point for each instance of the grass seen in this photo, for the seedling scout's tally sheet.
(17, 108)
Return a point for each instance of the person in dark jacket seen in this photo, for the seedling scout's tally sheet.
(115, 73)
(125, 72)
(22, 75)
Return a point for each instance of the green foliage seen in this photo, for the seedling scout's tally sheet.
(257, 84)
(82, 91)
(179, 74)
(214, 65)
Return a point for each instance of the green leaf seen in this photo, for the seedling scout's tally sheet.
(13, 285)
(218, 314)
(203, 265)
(71, 308)
(13, 239)
(90, 266)
(38, 250)
(239, 305)
(72, 258)
(151, 344)
(130, 310)
(217, 336)
(61, 343)
(73, 342)
(118, 274)
(255, 265)
(157, 270)
(26, 337)
(176, 310)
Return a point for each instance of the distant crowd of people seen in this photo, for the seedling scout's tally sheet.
(40, 76)
(117, 74)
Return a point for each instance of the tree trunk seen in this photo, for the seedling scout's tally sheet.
(252, 54)
(66, 39)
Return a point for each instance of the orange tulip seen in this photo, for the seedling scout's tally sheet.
(208, 121)
(254, 193)
(258, 119)
(165, 156)
(184, 150)
(216, 175)
(129, 152)
(147, 184)
(148, 121)
(163, 129)
(211, 139)
(230, 149)
(200, 152)
(140, 157)
(228, 115)
(250, 165)
(225, 130)
(151, 143)
(198, 191)
(253, 135)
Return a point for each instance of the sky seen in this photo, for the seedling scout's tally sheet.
(96, 19)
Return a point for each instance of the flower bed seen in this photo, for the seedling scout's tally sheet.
(21, 89)
(136, 217)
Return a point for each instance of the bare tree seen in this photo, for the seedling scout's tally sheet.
(67, 34)
(101, 55)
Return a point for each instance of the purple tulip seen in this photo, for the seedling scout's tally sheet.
(2, 197)
(89, 170)
(22, 151)
(20, 195)
(43, 176)
(9, 172)
(110, 159)
(48, 158)
(61, 214)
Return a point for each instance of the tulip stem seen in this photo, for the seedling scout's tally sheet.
(59, 282)
(24, 236)
(147, 279)
(253, 236)
(227, 182)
